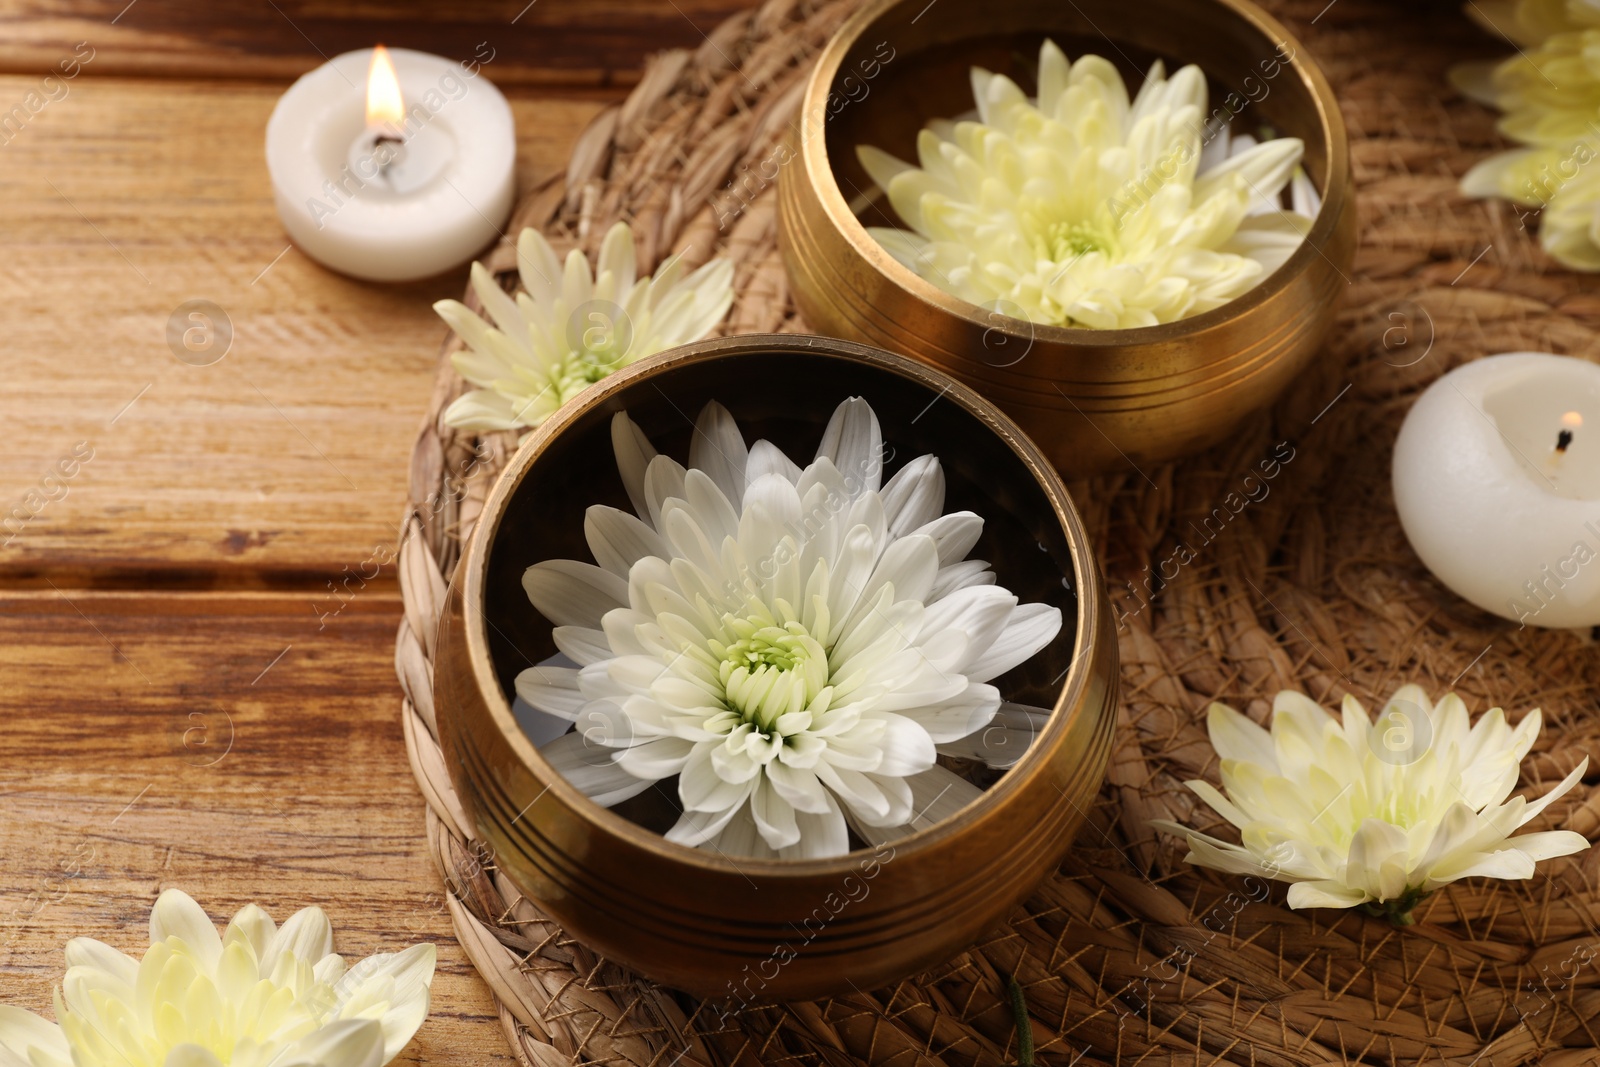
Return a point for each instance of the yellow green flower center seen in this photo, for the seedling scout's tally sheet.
(1064, 240)
(769, 671)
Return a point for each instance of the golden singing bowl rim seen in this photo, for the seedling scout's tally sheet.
(818, 171)
(1088, 590)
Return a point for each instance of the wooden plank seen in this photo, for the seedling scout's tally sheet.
(283, 462)
(593, 43)
(149, 745)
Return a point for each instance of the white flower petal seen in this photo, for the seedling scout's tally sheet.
(342, 1043)
(482, 411)
(569, 593)
(538, 267)
(1549, 844)
(1326, 894)
(1508, 863)
(1264, 168)
(1009, 733)
(954, 534)
(408, 978)
(553, 690)
(914, 497)
(306, 934)
(634, 453)
(698, 827)
(741, 837)
(1207, 851)
(191, 1055)
(652, 760)
(119, 966)
(968, 572)
(1028, 630)
(23, 1034)
(1534, 809)
(664, 480)
(582, 644)
(500, 306)
(766, 458)
(617, 257)
(821, 834)
(774, 817)
(909, 566)
(854, 442)
(253, 926)
(619, 540)
(1236, 737)
(177, 915)
(880, 166)
(936, 795)
(907, 747)
(592, 770)
(718, 449)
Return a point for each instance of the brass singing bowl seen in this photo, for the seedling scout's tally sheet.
(1094, 400)
(744, 928)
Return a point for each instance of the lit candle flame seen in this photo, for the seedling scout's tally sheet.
(385, 107)
(1572, 420)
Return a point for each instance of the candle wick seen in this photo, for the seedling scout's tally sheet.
(383, 154)
(1563, 439)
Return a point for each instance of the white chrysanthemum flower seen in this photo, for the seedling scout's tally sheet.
(1375, 814)
(796, 645)
(257, 996)
(568, 329)
(1086, 209)
(1550, 93)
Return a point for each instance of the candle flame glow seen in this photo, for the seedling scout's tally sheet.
(1572, 420)
(385, 107)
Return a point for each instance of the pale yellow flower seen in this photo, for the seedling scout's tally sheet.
(1083, 208)
(1550, 94)
(258, 995)
(568, 329)
(1353, 812)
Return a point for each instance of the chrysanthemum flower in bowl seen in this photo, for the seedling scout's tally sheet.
(838, 686)
(1082, 207)
(1377, 815)
(1135, 240)
(257, 995)
(792, 644)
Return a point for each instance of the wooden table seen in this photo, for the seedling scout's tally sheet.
(185, 701)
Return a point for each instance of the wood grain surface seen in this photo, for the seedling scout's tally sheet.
(224, 745)
(197, 672)
(553, 44)
(281, 462)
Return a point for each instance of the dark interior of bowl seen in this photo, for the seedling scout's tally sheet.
(785, 397)
(912, 67)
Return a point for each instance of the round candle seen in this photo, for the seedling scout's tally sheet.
(1497, 482)
(392, 170)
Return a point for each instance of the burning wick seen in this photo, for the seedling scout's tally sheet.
(1569, 422)
(385, 108)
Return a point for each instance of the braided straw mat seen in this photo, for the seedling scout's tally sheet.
(1127, 955)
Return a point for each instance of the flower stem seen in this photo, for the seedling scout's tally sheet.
(1019, 1018)
(1399, 910)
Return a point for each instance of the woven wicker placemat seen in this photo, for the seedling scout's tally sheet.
(1128, 956)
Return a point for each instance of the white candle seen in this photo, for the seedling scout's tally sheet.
(392, 173)
(1497, 481)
